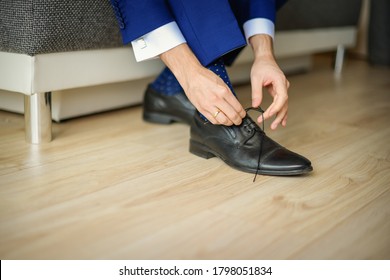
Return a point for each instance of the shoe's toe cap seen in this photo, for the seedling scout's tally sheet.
(285, 162)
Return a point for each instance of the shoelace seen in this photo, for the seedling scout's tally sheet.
(258, 109)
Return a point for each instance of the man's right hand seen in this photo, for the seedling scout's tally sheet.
(207, 92)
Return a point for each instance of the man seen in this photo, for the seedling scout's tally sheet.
(195, 40)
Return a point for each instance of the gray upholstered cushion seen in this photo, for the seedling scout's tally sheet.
(306, 14)
(47, 26)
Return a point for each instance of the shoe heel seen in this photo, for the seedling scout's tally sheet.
(157, 118)
(200, 150)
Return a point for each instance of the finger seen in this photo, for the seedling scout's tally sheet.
(217, 117)
(221, 115)
(228, 103)
(231, 113)
(284, 121)
(280, 99)
(268, 113)
(222, 119)
(257, 93)
(236, 105)
(279, 117)
(210, 117)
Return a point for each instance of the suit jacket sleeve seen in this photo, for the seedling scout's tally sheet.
(260, 18)
(257, 16)
(143, 21)
(139, 17)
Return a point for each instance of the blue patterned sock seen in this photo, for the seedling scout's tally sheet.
(166, 83)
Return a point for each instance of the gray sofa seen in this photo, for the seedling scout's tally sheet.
(52, 49)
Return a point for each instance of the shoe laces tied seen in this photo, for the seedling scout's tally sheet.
(261, 111)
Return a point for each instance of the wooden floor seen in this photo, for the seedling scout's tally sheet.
(111, 186)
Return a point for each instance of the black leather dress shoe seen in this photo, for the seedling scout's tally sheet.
(163, 109)
(246, 148)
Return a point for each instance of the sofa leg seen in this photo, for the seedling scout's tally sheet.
(37, 116)
(339, 61)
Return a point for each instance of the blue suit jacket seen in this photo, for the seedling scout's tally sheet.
(212, 28)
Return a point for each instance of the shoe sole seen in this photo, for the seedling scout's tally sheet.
(203, 151)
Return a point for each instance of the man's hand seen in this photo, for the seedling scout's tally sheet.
(266, 73)
(207, 92)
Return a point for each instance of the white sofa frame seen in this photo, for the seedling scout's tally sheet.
(38, 76)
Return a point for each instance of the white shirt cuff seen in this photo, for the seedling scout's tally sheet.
(160, 40)
(259, 26)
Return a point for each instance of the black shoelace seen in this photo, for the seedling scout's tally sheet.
(258, 109)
